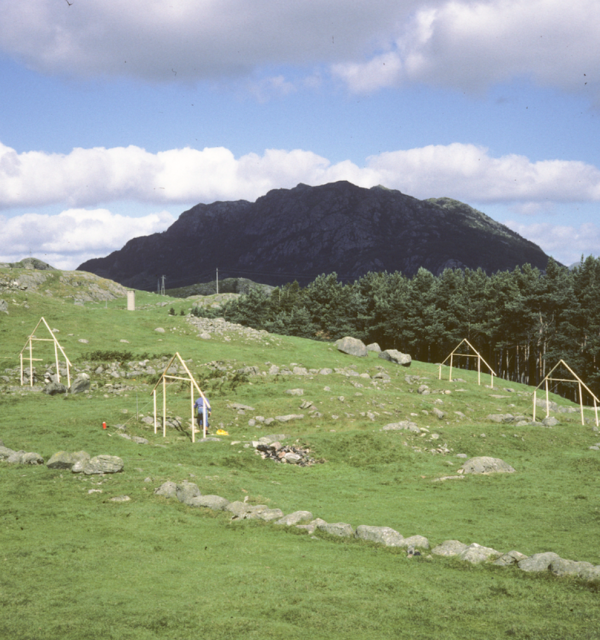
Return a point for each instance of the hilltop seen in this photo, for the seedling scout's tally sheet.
(299, 233)
(162, 569)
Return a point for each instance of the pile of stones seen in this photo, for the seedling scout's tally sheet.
(286, 454)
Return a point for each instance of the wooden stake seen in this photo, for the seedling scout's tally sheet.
(164, 407)
(192, 411)
(581, 403)
(155, 421)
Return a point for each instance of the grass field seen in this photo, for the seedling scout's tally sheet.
(76, 565)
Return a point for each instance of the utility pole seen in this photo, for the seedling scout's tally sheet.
(217, 279)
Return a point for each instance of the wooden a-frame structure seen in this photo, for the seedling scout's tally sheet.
(576, 379)
(29, 347)
(193, 384)
(475, 354)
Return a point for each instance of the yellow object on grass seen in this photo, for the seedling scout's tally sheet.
(222, 432)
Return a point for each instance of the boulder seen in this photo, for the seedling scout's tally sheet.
(549, 406)
(403, 425)
(501, 418)
(15, 457)
(81, 383)
(268, 515)
(341, 529)
(4, 306)
(550, 421)
(295, 518)
(295, 392)
(591, 574)
(386, 536)
(423, 390)
(416, 541)
(560, 567)
(538, 561)
(352, 346)
(440, 415)
(449, 548)
(98, 465)
(374, 347)
(187, 490)
(216, 503)
(510, 558)
(55, 388)
(5, 453)
(475, 554)
(290, 416)
(486, 465)
(65, 460)
(167, 489)
(238, 509)
(391, 355)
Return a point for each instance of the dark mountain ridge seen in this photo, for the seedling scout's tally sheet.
(302, 232)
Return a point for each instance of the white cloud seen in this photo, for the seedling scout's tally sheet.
(369, 44)
(91, 177)
(470, 45)
(187, 39)
(565, 243)
(73, 236)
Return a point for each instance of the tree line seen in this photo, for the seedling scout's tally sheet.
(522, 321)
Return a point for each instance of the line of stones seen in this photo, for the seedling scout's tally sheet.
(189, 494)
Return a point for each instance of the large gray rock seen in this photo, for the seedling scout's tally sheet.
(591, 574)
(268, 515)
(403, 425)
(25, 457)
(560, 567)
(380, 535)
(5, 453)
(449, 548)
(374, 347)
(187, 490)
(81, 383)
(239, 509)
(54, 388)
(391, 355)
(216, 503)
(4, 306)
(98, 465)
(486, 465)
(290, 416)
(167, 489)
(416, 541)
(475, 554)
(66, 460)
(550, 406)
(341, 529)
(538, 561)
(352, 346)
(297, 517)
(501, 418)
(550, 421)
(510, 558)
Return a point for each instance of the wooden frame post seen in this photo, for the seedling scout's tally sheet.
(475, 354)
(193, 385)
(57, 347)
(580, 385)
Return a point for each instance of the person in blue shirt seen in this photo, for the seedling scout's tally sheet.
(200, 404)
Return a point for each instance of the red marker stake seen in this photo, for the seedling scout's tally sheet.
(104, 425)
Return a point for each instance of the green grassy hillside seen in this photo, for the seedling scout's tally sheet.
(76, 565)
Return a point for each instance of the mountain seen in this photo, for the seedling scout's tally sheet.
(302, 232)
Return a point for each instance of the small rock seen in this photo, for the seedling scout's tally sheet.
(449, 548)
(159, 330)
(381, 535)
(295, 518)
(486, 465)
(120, 499)
(295, 392)
(167, 489)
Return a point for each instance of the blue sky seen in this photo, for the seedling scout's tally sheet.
(115, 117)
